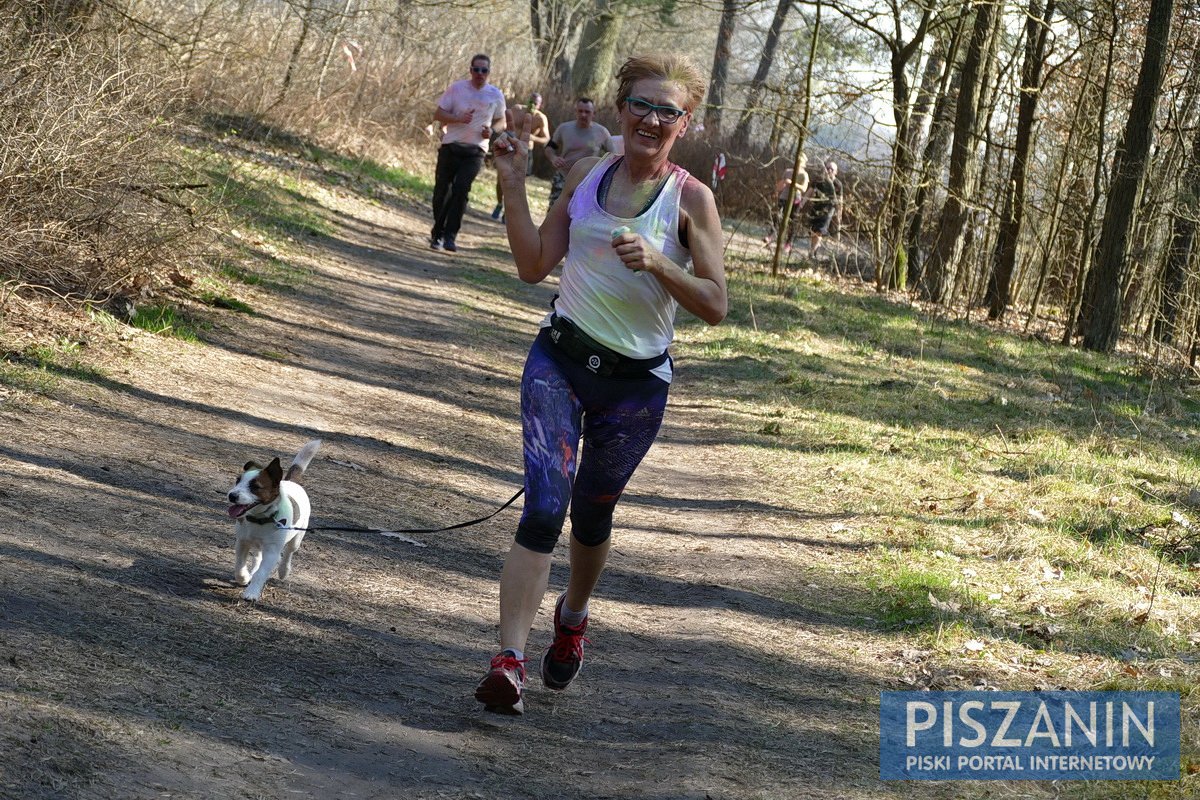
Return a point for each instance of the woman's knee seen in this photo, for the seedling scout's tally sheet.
(591, 523)
(539, 532)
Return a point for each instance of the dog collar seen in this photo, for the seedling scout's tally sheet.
(281, 517)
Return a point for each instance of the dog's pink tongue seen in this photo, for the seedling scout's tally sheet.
(236, 511)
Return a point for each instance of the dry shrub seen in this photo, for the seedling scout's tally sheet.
(90, 204)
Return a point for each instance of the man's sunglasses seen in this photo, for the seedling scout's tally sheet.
(667, 115)
(481, 70)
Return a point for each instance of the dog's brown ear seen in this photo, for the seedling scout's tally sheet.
(251, 465)
(274, 470)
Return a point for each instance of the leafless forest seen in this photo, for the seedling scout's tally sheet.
(1039, 161)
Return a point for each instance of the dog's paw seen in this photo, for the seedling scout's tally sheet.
(241, 578)
(251, 596)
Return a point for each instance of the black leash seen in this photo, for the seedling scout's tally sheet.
(397, 531)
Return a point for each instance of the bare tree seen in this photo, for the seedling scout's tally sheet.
(946, 252)
(1103, 313)
(1184, 218)
(1037, 30)
(720, 68)
(554, 25)
(765, 62)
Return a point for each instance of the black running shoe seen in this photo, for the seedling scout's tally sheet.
(449, 245)
(562, 661)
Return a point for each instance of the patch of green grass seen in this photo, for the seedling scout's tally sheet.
(1020, 493)
(261, 196)
(39, 368)
(240, 273)
(363, 168)
(903, 595)
(164, 321)
(276, 206)
(218, 300)
(23, 377)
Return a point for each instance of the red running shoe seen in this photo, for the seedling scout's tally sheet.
(500, 690)
(562, 661)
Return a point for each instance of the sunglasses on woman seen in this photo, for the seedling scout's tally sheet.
(667, 115)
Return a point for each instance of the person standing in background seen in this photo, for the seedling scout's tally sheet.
(471, 110)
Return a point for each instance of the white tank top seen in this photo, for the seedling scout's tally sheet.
(626, 310)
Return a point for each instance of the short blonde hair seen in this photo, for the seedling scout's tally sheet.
(677, 69)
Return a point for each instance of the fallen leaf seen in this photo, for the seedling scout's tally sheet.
(974, 645)
(946, 607)
(1052, 573)
(1036, 515)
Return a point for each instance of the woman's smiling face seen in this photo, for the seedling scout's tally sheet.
(649, 135)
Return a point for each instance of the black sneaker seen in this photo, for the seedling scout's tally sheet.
(496, 212)
(562, 661)
(500, 690)
(449, 245)
(435, 242)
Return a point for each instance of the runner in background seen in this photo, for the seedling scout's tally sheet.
(539, 134)
(572, 141)
(471, 110)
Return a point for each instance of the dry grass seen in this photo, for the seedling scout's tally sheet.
(91, 201)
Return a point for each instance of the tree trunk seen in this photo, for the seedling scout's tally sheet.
(948, 248)
(1083, 274)
(937, 144)
(297, 48)
(335, 38)
(900, 186)
(553, 25)
(593, 67)
(789, 203)
(765, 62)
(720, 68)
(1037, 27)
(1183, 238)
(1132, 162)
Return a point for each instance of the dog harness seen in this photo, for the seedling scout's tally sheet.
(282, 517)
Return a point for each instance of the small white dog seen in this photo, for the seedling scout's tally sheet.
(267, 507)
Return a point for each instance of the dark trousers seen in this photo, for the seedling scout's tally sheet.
(457, 166)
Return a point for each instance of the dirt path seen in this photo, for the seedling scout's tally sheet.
(128, 669)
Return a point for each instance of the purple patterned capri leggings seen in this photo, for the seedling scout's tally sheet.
(617, 420)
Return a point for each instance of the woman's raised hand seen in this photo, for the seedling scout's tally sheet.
(512, 150)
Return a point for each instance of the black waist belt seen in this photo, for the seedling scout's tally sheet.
(586, 351)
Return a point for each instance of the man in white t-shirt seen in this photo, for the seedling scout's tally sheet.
(471, 110)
